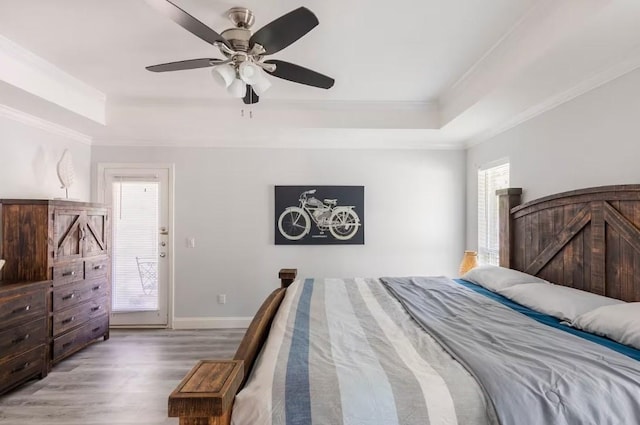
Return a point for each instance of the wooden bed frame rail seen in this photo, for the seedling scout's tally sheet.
(205, 396)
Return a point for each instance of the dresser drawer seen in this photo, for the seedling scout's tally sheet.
(22, 367)
(67, 273)
(96, 268)
(21, 307)
(75, 316)
(23, 338)
(66, 296)
(78, 338)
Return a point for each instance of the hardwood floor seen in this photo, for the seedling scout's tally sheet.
(123, 381)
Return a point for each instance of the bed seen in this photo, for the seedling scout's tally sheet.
(366, 351)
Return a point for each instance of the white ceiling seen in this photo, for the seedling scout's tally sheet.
(400, 51)
(416, 73)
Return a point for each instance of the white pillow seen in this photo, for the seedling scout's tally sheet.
(496, 278)
(559, 301)
(618, 322)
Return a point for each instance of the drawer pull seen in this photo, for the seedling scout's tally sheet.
(71, 273)
(68, 297)
(22, 338)
(96, 308)
(96, 288)
(20, 368)
(94, 330)
(66, 344)
(69, 320)
(21, 309)
(98, 267)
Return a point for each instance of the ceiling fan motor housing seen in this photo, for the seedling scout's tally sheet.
(238, 38)
(241, 17)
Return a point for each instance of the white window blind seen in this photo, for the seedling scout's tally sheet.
(135, 212)
(490, 180)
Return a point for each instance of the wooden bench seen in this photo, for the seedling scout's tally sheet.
(205, 395)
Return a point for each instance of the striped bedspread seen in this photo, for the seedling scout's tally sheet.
(343, 351)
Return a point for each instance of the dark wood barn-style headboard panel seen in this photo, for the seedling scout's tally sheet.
(587, 239)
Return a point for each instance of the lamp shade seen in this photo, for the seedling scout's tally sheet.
(469, 261)
(224, 74)
(249, 72)
(253, 75)
(237, 88)
(262, 85)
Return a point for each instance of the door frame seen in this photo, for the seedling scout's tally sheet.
(100, 197)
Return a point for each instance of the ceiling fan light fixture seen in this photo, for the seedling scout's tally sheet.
(255, 76)
(249, 72)
(224, 74)
(237, 88)
(262, 85)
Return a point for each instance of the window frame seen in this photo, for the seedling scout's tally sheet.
(488, 176)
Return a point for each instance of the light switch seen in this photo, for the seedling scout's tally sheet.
(191, 242)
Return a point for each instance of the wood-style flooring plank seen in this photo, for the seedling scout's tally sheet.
(123, 381)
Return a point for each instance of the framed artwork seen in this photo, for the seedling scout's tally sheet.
(319, 215)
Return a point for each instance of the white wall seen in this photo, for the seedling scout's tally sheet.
(593, 140)
(28, 159)
(414, 217)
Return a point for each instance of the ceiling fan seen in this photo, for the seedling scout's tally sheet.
(243, 69)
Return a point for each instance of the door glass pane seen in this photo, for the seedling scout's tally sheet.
(135, 262)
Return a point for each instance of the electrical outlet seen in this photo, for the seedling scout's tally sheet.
(191, 242)
(222, 299)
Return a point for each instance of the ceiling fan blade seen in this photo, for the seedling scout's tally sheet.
(187, 21)
(285, 30)
(251, 97)
(299, 74)
(182, 65)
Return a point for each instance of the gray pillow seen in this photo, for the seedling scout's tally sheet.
(558, 301)
(496, 278)
(619, 322)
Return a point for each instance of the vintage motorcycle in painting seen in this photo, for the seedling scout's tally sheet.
(340, 221)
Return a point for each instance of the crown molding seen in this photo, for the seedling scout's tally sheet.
(528, 40)
(39, 123)
(276, 104)
(585, 86)
(25, 70)
(338, 139)
(35, 61)
(482, 60)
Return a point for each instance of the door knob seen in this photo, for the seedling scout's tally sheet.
(162, 255)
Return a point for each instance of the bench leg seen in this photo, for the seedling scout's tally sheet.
(225, 419)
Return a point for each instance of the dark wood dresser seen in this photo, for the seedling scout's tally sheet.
(24, 335)
(68, 244)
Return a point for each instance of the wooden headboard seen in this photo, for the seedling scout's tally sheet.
(587, 239)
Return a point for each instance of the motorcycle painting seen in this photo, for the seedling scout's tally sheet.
(318, 215)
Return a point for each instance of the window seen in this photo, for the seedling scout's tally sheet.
(489, 180)
(135, 261)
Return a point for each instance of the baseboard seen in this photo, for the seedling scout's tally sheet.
(211, 322)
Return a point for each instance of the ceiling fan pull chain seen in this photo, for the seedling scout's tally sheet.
(250, 113)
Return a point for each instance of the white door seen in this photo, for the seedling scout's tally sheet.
(139, 198)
